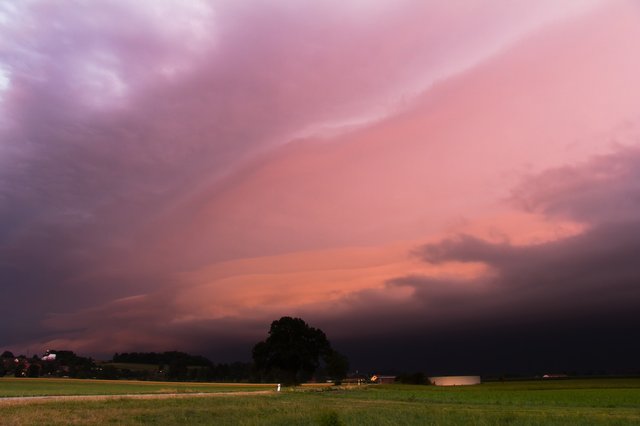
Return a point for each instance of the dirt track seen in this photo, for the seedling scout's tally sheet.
(53, 398)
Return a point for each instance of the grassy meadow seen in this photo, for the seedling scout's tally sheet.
(562, 402)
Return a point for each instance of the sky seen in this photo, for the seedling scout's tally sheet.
(441, 186)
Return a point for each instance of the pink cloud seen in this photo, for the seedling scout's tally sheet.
(212, 165)
(459, 148)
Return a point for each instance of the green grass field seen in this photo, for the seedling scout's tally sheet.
(565, 402)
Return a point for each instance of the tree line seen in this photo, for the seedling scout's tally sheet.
(172, 366)
(293, 352)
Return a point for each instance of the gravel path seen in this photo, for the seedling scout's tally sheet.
(53, 398)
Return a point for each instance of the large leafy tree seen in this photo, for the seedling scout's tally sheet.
(292, 351)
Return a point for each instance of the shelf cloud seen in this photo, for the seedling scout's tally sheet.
(176, 175)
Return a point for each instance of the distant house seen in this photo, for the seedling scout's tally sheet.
(454, 380)
(355, 379)
(383, 380)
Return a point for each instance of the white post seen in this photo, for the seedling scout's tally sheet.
(278, 387)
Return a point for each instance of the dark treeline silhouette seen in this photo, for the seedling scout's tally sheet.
(292, 353)
(173, 366)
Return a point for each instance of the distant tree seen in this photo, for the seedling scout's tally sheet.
(108, 372)
(33, 370)
(6, 363)
(19, 369)
(337, 366)
(178, 370)
(67, 363)
(292, 351)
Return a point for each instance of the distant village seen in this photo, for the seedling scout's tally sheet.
(165, 366)
(180, 366)
(172, 366)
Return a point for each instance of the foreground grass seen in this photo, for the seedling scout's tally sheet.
(10, 386)
(609, 393)
(584, 402)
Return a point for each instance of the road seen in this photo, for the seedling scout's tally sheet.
(53, 398)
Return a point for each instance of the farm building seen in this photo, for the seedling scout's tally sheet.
(454, 380)
(355, 379)
(383, 379)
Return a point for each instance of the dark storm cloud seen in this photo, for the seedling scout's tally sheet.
(592, 271)
(121, 120)
(564, 305)
(607, 189)
(568, 304)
